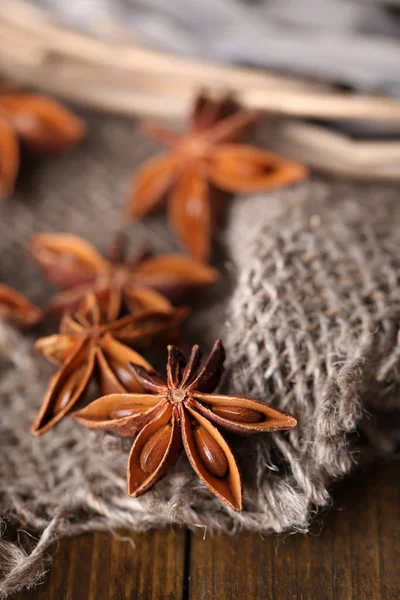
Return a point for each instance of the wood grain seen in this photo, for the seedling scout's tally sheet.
(352, 553)
(100, 566)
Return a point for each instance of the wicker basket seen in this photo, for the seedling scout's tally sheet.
(132, 80)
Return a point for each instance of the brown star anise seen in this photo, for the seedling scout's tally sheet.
(144, 282)
(203, 158)
(93, 344)
(16, 309)
(42, 125)
(183, 409)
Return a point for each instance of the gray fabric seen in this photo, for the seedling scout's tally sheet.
(348, 41)
(308, 310)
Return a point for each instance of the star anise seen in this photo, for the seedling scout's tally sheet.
(42, 125)
(201, 159)
(144, 282)
(16, 309)
(92, 344)
(184, 409)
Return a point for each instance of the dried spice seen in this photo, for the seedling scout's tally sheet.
(93, 344)
(41, 125)
(16, 309)
(75, 265)
(184, 411)
(207, 156)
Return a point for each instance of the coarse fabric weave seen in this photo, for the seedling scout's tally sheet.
(308, 309)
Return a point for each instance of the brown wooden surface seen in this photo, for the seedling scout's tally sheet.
(353, 553)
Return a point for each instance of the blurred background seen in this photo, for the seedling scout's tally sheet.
(326, 71)
(349, 42)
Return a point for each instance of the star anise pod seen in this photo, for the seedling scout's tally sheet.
(207, 156)
(41, 125)
(93, 344)
(184, 409)
(144, 282)
(16, 309)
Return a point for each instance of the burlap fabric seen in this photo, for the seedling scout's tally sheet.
(308, 310)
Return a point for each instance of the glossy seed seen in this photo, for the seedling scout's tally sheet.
(154, 449)
(122, 372)
(239, 414)
(122, 410)
(68, 389)
(211, 454)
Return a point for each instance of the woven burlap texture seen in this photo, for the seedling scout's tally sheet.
(308, 311)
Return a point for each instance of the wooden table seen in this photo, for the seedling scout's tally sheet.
(352, 553)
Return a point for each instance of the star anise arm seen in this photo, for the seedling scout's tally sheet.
(191, 367)
(113, 360)
(67, 260)
(175, 365)
(147, 326)
(151, 183)
(70, 299)
(207, 111)
(9, 157)
(58, 347)
(233, 128)
(89, 313)
(65, 388)
(241, 414)
(109, 300)
(42, 124)
(150, 382)
(16, 309)
(175, 276)
(154, 451)
(210, 375)
(241, 169)
(144, 298)
(72, 324)
(123, 414)
(162, 134)
(190, 212)
(211, 457)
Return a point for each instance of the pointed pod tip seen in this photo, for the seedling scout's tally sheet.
(237, 507)
(219, 347)
(173, 350)
(76, 415)
(36, 430)
(288, 422)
